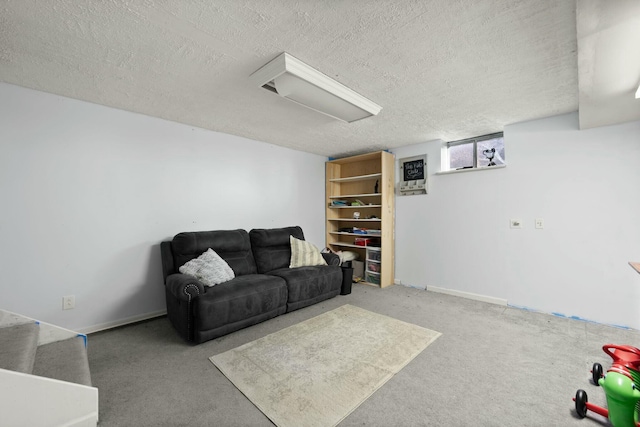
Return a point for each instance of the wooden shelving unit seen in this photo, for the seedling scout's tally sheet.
(354, 179)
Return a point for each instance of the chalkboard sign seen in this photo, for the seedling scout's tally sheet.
(413, 170)
(414, 175)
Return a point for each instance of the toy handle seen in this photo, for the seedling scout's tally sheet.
(607, 349)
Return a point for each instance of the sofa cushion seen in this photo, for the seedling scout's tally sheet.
(271, 247)
(209, 268)
(308, 285)
(239, 299)
(233, 246)
(304, 254)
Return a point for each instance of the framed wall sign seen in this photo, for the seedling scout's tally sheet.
(413, 175)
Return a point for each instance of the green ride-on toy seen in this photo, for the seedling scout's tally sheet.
(621, 386)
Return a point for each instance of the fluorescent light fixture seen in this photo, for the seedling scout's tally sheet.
(296, 81)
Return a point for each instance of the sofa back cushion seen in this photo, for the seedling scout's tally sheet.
(233, 246)
(271, 247)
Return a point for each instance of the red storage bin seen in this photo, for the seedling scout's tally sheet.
(362, 241)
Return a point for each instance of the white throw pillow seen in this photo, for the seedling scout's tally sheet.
(304, 253)
(209, 268)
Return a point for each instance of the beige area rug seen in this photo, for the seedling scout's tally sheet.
(317, 372)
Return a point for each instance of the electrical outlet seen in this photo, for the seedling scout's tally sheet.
(539, 223)
(397, 282)
(516, 223)
(68, 302)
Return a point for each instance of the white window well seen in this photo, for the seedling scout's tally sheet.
(480, 152)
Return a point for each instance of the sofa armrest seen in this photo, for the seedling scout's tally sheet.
(331, 258)
(184, 287)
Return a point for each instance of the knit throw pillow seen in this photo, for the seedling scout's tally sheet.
(304, 253)
(209, 268)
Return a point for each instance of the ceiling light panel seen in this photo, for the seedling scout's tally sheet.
(298, 82)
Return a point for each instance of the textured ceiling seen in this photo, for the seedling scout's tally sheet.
(440, 69)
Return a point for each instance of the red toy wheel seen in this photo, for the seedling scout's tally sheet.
(581, 403)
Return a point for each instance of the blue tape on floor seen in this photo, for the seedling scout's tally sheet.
(85, 339)
(564, 316)
(521, 307)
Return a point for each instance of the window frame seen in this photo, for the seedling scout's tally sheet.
(474, 140)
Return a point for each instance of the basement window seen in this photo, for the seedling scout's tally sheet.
(474, 153)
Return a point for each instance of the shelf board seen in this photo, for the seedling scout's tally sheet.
(356, 195)
(349, 245)
(375, 156)
(354, 207)
(357, 178)
(358, 220)
(345, 233)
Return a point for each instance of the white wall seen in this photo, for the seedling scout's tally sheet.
(584, 184)
(89, 192)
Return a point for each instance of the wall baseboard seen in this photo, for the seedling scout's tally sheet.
(122, 322)
(468, 295)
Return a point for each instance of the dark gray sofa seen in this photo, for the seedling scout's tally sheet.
(264, 286)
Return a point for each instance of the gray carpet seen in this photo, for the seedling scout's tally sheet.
(493, 366)
(19, 345)
(64, 360)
